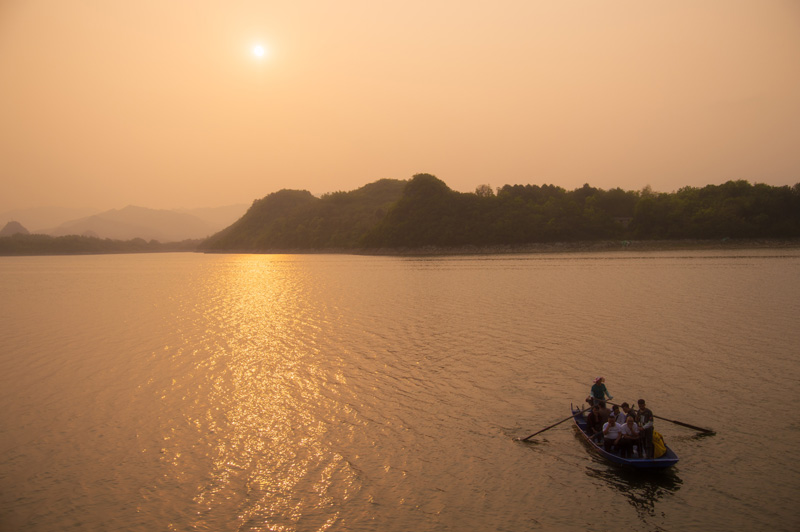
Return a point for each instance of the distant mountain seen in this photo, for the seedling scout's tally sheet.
(13, 228)
(139, 222)
(218, 217)
(39, 219)
(131, 222)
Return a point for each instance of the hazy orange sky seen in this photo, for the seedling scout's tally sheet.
(162, 103)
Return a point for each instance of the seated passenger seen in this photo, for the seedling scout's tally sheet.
(627, 411)
(604, 412)
(611, 434)
(593, 424)
(628, 437)
(619, 417)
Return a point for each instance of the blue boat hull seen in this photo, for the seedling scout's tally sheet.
(669, 458)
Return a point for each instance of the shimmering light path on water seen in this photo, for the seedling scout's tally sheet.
(194, 392)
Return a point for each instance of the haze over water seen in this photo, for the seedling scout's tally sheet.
(171, 104)
(333, 392)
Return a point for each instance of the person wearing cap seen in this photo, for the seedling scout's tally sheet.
(599, 390)
(645, 420)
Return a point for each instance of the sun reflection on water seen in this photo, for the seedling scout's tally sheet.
(255, 398)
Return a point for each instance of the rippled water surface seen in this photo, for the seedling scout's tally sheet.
(333, 392)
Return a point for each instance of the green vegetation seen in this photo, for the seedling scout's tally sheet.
(296, 220)
(426, 212)
(21, 244)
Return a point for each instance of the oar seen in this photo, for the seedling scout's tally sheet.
(681, 423)
(551, 426)
(701, 429)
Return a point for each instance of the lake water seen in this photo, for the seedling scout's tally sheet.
(334, 392)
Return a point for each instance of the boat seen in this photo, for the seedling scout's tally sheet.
(668, 459)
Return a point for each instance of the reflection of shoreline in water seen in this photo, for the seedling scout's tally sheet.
(643, 489)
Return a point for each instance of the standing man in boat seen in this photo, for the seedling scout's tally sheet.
(599, 391)
(645, 419)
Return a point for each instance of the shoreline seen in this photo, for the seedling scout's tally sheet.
(595, 246)
(600, 246)
(542, 248)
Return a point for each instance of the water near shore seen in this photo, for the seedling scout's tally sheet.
(591, 246)
(335, 392)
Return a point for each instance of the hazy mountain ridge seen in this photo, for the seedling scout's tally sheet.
(137, 222)
(217, 217)
(40, 219)
(13, 228)
(133, 222)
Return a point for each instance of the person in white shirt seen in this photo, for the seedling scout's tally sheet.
(628, 437)
(610, 433)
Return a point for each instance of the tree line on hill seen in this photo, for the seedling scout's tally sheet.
(35, 244)
(426, 212)
(296, 220)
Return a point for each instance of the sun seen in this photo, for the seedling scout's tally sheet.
(259, 51)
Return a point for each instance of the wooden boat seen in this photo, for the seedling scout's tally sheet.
(668, 459)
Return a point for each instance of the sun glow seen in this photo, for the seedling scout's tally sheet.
(259, 51)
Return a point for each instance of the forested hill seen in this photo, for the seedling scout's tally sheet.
(426, 212)
(296, 220)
